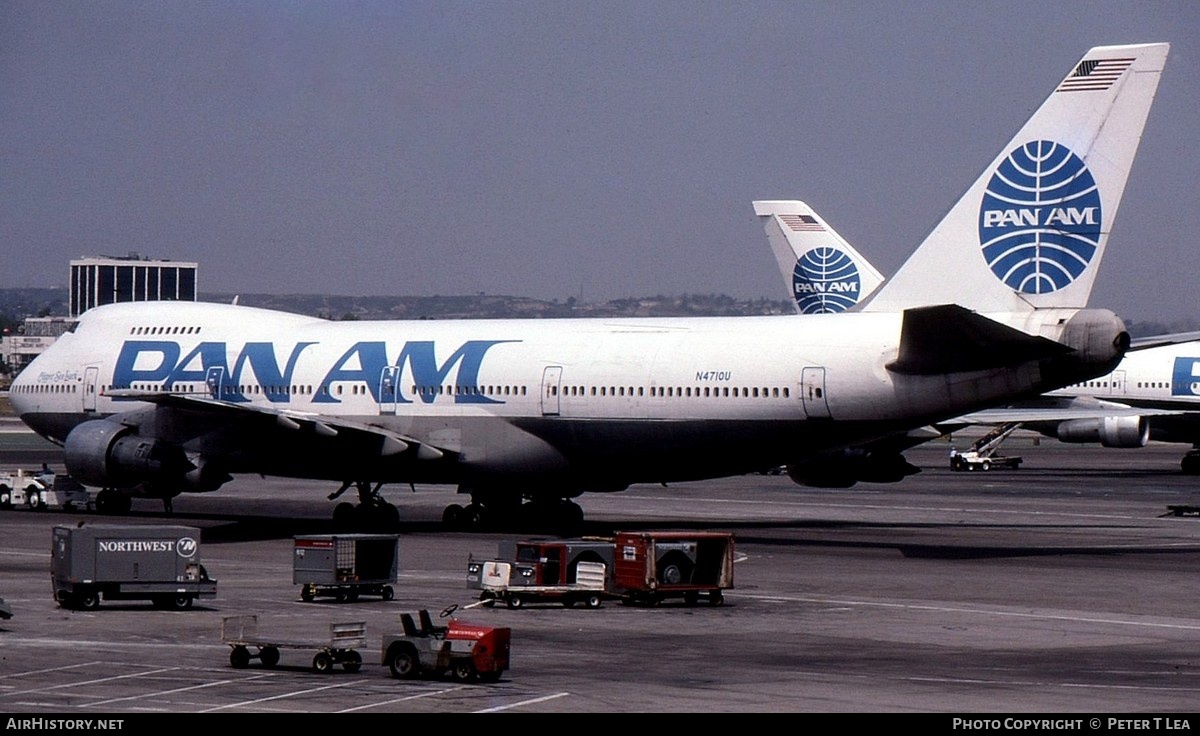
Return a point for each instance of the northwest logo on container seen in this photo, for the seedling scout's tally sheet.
(1039, 223)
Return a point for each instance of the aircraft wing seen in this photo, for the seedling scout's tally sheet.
(1053, 409)
(201, 410)
(1155, 341)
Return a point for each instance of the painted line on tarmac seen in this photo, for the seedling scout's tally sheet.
(978, 611)
(284, 696)
(521, 703)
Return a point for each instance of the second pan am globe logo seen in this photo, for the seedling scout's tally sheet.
(1039, 223)
(825, 280)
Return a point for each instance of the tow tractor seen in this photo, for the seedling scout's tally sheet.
(39, 491)
(982, 455)
(467, 651)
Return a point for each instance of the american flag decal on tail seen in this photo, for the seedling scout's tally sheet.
(1094, 74)
(802, 223)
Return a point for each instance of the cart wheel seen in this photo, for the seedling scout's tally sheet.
(342, 595)
(490, 676)
(488, 601)
(323, 663)
(306, 594)
(353, 661)
(593, 600)
(716, 599)
(269, 656)
(239, 658)
(388, 593)
(463, 670)
(89, 601)
(352, 595)
(402, 661)
(181, 602)
(515, 601)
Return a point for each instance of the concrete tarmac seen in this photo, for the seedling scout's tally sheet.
(1062, 587)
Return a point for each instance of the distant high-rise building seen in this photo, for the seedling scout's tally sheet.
(132, 278)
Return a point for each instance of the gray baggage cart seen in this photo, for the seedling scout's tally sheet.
(241, 634)
(345, 566)
(156, 563)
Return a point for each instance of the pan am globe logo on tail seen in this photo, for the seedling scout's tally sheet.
(1039, 224)
(825, 281)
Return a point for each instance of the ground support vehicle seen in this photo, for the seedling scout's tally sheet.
(241, 634)
(651, 567)
(982, 455)
(345, 566)
(39, 491)
(568, 571)
(466, 651)
(156, 563)
(505, 582)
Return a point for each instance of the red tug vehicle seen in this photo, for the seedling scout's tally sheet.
(467, 652)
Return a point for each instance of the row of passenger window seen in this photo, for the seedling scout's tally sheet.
(162, 330)
(674, 391)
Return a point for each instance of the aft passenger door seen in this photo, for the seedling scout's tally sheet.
(551, 378)
(812, 393)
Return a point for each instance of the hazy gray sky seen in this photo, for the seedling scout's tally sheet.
(550, 149)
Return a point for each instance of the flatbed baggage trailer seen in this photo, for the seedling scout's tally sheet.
(345, 566)
(112, 562)
(499, 582)
(654, 566)
(241, 634)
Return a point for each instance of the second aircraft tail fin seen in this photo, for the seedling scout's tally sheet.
(821, 271)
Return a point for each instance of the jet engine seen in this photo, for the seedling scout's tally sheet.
(110, 455)
(1108, 431)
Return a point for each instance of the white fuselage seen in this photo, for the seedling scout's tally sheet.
(620, 401)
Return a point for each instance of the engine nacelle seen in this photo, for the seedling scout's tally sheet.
(108, 454)
(1108, 431)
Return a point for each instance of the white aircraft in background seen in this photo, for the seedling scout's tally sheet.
(1153, 394)
(162, 398)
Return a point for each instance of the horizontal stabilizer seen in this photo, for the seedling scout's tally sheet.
(951, 339)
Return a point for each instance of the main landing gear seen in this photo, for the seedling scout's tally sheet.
(542, 513)
(371, 513)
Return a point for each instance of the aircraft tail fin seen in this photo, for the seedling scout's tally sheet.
(821, 271)
(1030, 232)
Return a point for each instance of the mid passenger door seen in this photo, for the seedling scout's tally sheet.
(551, 378)
(389, 388)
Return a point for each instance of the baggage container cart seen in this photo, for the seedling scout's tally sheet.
(242, 635)
(112, 562)
(654, 566)
(345, 566)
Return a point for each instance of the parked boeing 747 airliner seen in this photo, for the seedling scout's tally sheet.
(159, 399)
